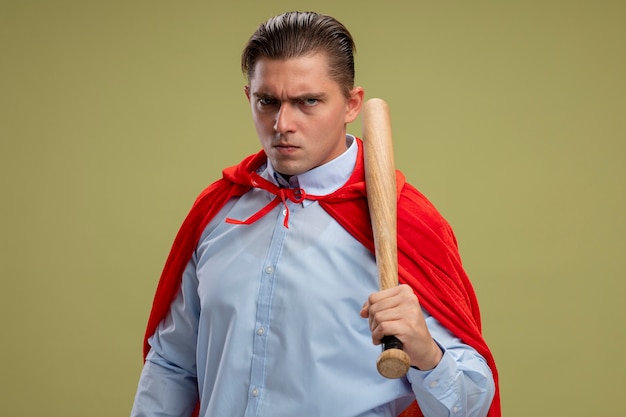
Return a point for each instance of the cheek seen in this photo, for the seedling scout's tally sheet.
(261, 121)
(267, 115)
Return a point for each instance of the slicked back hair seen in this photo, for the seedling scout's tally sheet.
(296, 34)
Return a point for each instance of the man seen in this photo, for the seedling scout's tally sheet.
(269, 304)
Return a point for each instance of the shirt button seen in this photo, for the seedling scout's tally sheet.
(269, 269)
(434, 384)
(284, 212)
(255, 392)
(261, 331)
(456, 409)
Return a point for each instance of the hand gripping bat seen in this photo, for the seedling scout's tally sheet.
(380, 182)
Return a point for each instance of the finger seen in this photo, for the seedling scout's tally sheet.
(400, 329)
(390, 308)
(382, 294)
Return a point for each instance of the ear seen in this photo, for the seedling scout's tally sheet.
(246, 89)
(354, 104)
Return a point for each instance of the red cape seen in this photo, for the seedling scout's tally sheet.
(428, 257)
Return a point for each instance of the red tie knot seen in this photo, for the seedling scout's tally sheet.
(297, 195)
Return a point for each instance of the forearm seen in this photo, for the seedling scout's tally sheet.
(164, 391)
(461, 384)
(168, 384)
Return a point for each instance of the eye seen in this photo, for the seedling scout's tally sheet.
(266, 101)
(310, 101)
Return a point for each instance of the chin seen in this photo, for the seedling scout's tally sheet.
(287, 169)
(290, 170)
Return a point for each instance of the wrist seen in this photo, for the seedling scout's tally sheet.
(431, 359)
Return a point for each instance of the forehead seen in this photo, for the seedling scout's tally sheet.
(301, 72)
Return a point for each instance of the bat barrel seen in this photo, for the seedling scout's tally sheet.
(380, 180)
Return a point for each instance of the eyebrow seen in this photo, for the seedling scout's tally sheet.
(300, 97)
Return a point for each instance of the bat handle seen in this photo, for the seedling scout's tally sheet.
(393, 362)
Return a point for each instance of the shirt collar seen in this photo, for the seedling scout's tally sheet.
(324, 179)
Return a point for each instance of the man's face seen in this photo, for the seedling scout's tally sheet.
(299, 112)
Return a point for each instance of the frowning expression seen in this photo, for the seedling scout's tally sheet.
(300, 113)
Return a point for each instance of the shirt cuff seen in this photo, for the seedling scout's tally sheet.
(437, 383)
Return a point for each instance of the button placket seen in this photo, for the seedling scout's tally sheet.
(263, 317)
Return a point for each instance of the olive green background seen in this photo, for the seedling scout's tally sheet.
(114, 115)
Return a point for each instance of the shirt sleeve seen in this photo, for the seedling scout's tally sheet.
(168, 383)
(460, 385)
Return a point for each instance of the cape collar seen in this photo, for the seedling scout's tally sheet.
(344, 176)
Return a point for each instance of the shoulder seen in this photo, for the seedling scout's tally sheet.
(418, 215)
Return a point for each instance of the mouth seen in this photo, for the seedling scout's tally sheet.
(285, 148)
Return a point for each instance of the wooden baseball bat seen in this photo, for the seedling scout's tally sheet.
(380, 183)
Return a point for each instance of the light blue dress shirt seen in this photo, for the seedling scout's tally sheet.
(267, 323)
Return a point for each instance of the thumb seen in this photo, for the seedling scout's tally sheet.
(365, 310)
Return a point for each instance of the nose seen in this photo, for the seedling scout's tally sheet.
(284, 122)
